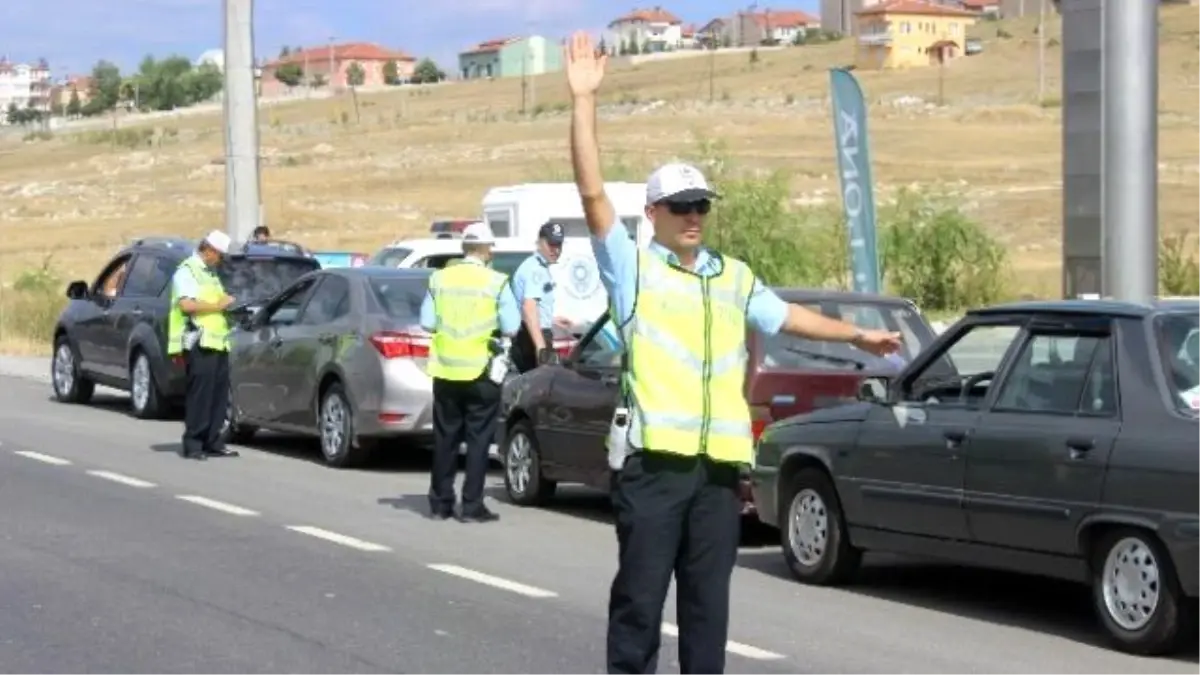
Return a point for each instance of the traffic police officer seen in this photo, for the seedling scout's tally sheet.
(534, 289)
(198, 329)
(683, 311)
(466, 305)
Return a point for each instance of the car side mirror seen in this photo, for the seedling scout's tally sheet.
(77, 290)
(873, 390)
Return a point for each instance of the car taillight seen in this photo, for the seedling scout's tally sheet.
(400, 345)
(358, 261)
(563, 347)
(760, 418)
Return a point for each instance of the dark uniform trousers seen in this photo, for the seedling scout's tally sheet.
(463, 411)
(680, 515)
(207, 400)
(524, 354)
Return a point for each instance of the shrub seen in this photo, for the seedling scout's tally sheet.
(1178, 269)
(30, 307)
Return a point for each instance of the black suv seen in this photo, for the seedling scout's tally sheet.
(113, 331)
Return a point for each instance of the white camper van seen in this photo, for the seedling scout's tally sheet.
(518, 211)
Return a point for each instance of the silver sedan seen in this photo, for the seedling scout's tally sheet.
(340, 355)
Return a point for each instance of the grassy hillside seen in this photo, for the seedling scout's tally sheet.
(334, 181)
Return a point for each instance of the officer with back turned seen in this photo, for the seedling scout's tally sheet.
(198, 329)
(534, 289)
(466, 306)
(682, 430)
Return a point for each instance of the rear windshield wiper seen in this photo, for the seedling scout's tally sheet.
(840, 360)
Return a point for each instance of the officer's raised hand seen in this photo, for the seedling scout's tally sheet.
(585, 66)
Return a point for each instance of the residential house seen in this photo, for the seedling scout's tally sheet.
(687, 37)
(25, 85)
(78, 85)
(714, 34)
(837, 16)
(910, 33)
(645, 31)
(984, 8)
(510, 57)
(770, 27)
(329, 66)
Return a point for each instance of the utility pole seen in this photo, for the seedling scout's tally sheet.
(1130, 150)
(1041, 52)
(532, 29)
(307, 75)
(712, 73)
(331, 62)
(243, 210)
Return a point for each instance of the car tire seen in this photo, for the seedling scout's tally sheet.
(234, 431)
(522, 460)
(70, 385)
(1136, 593)
(335, 426)
(812, 530)
(146, 401)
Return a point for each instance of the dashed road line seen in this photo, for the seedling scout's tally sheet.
(743, 650)
(122, 479)
(48, 459)
(231, 509)
(349, 542)
(495, 582)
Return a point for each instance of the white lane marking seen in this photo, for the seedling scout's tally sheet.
(336, 538)
(231, 509)
(122, 479)
(48, 459)
(495, 582)
(747, 651)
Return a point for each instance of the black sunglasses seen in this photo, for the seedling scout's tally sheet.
(701, 206)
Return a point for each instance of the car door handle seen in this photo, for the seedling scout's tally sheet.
(954, 436)
(137, 311)
(1080, 447)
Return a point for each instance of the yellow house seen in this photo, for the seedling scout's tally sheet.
(910, 33)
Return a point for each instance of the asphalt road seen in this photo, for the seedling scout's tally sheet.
(118, 556)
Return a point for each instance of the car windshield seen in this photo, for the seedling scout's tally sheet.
(399, 297)
(391, 257)
(251, 279)
(787, 352)
(1179, 343)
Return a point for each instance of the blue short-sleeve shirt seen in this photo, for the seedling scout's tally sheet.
(532, 281)
(617, 258)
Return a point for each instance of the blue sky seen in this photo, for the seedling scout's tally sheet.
(74, 34)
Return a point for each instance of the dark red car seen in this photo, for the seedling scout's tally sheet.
(555, 418)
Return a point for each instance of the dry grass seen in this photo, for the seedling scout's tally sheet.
(422, 153)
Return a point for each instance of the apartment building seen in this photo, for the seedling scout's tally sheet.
(25, 85)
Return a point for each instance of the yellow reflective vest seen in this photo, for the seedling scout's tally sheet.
(466, 301)
(686, 369)
(214, 327)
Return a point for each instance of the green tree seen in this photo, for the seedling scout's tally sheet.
(74, 106)
(355, 75)
(318, 80)
(106, 86)
(623, 49)
(427, 71)
(13, 114)
(283, 53)
(203, 83)
(634, 49)
(645, 46)
(290, 74)
(391, 73)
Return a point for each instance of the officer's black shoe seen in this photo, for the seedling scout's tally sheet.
(223, 452)
(198, 456)
(479, 515)
(441, 514)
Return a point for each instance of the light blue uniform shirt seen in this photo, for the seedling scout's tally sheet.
(184, 283)
(532, 281)
(617, 256)
(510, 316)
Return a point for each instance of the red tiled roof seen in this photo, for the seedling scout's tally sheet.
(922, 7)
(351, 51)
(980, 5)
(492, 45)
(783, 19)
(688, 31)
(651, 15)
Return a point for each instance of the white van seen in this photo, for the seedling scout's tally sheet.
(519, 211)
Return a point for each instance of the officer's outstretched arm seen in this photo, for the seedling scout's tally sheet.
(585, 70)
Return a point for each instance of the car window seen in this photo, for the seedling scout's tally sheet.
(252, 279)
(505, 262)
(328, 303)
(1176, 335)
(285, 310)
(398, 298)
(109, 283)
(604, 349)
(391, 257)
(149, 276)
(788, 352)
(1051, 373)
(971, 359)
(499, 222)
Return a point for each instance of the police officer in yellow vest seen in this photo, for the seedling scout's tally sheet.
(467, 305)
(198, 329)
(683, 312)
